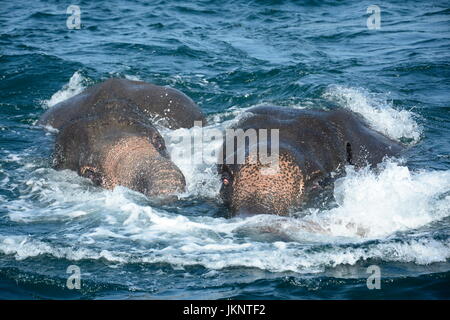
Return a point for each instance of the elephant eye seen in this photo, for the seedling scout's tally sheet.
(226, 178)
(158, 143)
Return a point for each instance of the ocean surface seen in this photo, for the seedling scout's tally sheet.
(229, 56)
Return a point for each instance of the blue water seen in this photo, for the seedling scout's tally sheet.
(228, 56)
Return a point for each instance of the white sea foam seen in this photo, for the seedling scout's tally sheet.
(370, 207)
(380, 114)
(276, 256)
(377, 205)
(132, 77)
(76, 84)
(198, 163)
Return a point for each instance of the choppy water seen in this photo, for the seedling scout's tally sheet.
(228, 56)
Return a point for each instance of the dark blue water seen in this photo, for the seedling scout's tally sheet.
(228, 56)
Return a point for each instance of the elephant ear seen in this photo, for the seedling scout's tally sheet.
(349, 153)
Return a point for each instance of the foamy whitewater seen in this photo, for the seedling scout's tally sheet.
(377, 214)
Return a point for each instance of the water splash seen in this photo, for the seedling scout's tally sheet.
(380, 114)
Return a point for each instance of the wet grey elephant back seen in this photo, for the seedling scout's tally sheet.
(148, 102)
(326, 137)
